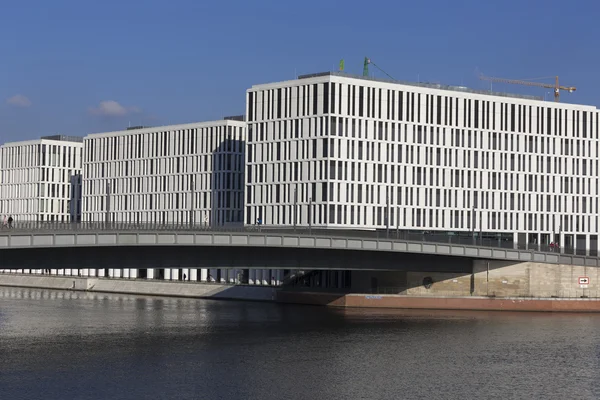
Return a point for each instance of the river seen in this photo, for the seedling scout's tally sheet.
(75, 345)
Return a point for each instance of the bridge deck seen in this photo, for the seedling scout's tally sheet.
(285, 238)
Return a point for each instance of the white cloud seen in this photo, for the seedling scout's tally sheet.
(111, 108)
(19, 100)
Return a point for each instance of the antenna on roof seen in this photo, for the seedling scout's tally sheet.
(366, 68)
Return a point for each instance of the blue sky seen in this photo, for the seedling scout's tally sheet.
(76, 67)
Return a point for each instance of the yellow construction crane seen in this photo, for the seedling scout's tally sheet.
(557, 88)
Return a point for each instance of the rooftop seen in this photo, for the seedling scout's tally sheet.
(148, 129)
(463, 89)
(64, 138)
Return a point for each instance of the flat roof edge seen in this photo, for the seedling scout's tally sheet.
(150, 129)
(425, 85)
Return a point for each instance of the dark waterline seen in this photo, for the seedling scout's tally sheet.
(71, 345)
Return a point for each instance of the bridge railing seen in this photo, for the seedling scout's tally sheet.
(412, 236)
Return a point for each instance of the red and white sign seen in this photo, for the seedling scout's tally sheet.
(584, 280)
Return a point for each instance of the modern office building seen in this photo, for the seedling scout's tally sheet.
(40, 180)
(343, 151)
(188, 174)
(179, 174)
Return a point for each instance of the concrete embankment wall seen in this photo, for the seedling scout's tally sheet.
(487, 278)
(153, 288)
(473, 303)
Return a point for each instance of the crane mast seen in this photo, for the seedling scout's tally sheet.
(557, 87)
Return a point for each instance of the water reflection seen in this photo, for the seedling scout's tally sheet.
(58, 344)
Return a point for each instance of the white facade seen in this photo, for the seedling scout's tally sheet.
(369, 154)
(40, 180)
(177, 174)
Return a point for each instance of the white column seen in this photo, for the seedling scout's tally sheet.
(587, 242)
(167, 274)
(193, 274)
(203, 274)
(133, 273)
(279, 277)
(175, 274)
(212, 275)
(150, 273)
(111, 272)
(258, 280)
(125, 272)
(101, 272)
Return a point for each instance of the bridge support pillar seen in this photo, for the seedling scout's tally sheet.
(133, 273)
(279, 277)
(193, 274)
(212, 275)
(167, 274)
(203, 275)
(259, 277)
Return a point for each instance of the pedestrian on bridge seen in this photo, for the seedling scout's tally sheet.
(10, 221)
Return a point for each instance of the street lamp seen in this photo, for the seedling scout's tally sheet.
(473, 223)
(107, 216)
(480, 228)
(295, 207)
(387, 217)
(310, 215)
(193, 189)
(560, 238)
(398, 223)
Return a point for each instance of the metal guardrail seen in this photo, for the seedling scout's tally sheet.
(430, 237)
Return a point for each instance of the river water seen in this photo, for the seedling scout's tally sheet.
(70, 345)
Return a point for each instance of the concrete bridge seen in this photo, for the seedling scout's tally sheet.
(257, 247)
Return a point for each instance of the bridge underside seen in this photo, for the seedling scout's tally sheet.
(229, 257)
